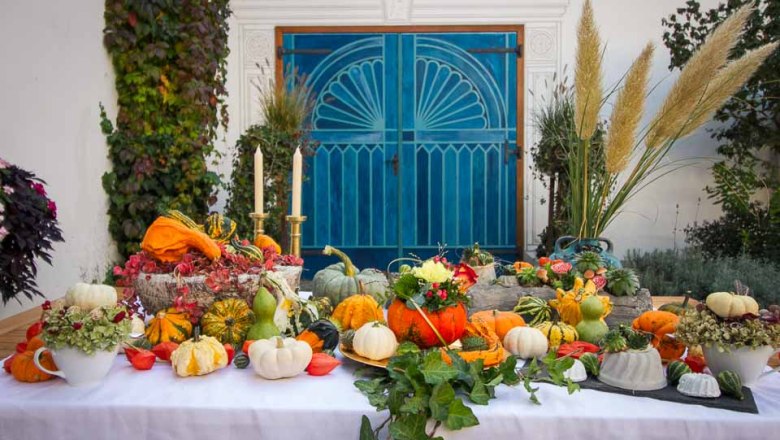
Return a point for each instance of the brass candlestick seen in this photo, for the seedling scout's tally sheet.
(257, 221)
(295, 233)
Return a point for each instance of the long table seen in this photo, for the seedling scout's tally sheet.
(237, 404)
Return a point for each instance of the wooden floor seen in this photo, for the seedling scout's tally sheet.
(12, 329)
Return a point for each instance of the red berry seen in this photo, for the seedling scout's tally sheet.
(7, 363)
(21, 347)
(34, 330)
(144, 360)
(231, 352)
(163, 350)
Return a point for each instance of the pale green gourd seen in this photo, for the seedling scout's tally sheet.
(592, 328)
(339, 281)
(264, 306)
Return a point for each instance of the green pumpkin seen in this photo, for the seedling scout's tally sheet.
(592, 328)
(227, 320)
(533, 309)
(730, 383)
(346, 339)
(676, 307)
(675, 370)
(264, 306)
(591, 363)
(340, 281)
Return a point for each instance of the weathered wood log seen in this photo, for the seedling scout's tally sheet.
(504, 295)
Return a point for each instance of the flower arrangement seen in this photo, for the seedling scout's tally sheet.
(28, 227)
(705, 83)
(701, 326)
(435, 284)
(561, 275)
(99, 329)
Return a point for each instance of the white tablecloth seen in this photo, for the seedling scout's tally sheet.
(237, 404)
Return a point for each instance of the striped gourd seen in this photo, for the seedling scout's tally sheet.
(169, 325)
(592, 363)
(534, 309)
(730, 383)
(557, 333)
(228, 320)
(241, 361)
(248, 250)
(183, 218)
(219, 227)
(675, 370)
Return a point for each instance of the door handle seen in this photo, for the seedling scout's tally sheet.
(394, 161)
(517, 152)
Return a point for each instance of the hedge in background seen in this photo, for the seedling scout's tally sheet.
(672, 273)
(169, 58)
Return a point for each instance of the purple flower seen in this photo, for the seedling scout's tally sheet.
(3, 233)
(52, 208)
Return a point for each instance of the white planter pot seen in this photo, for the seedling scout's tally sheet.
(748, 362)
(78, 368)
(486, 274)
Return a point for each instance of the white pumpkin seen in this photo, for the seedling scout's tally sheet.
(137, 327)
(277, 357)
(90, 296)
(730, 305)
(698, 385)
(526, 342)
(374, 341)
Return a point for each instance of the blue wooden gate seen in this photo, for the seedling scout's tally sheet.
(417, 137)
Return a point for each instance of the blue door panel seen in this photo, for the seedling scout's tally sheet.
(444, 114)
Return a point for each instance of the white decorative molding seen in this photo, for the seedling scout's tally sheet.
(257, 19)
(398, 11)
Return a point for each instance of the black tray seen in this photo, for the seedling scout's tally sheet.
(670, 393)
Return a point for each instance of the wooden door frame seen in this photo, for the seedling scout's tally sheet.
(518, 29)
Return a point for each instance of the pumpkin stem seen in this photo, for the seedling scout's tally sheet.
(279, 342)
(349, 268)
(196, 338)
(685, 302)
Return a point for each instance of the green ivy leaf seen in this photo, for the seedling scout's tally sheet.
(435, 370)
(366, 432)
(479, 394)
(460, 416)
(441, 398)
(409, 427)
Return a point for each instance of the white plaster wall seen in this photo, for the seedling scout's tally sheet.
(649, 221)
(54, 73)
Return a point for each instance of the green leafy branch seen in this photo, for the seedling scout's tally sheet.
(418, 387)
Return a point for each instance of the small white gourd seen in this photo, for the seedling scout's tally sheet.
(374, 341)
(90, 296)
(577, 372)
(699, 385)
(526, 342)
(277, 357)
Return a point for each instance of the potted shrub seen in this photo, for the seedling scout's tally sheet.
(83, 342)
(733, 333)
(481, 261)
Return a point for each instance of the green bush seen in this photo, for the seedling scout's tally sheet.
(672, 273)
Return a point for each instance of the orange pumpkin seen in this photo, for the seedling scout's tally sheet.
(498, 321)
(661, 324)
(24, 370)
(493, 355)
(409, 325)
(167, 240)
(35, 343)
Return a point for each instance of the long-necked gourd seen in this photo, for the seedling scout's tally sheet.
(264, 306)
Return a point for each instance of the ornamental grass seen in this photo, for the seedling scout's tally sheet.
(637, 157)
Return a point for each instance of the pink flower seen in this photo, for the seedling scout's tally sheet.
(46, 305)
(77, 325)
(118, 271)
(464, 276)
(443, 294)
(8, 190)
(429, 293)
(3, 164)
(3, 232)
(435, 285)
(599, 281)
(561, 268)
(52, 208)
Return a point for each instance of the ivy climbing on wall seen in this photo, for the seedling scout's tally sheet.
(169, 58)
